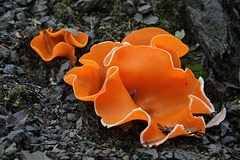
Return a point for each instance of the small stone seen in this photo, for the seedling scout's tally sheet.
(11, 149)
(145, 9)
(126, 157)
(3, 53)
(29, 128)
(106, 152)
(64, 158)
(51, 23)
(71, 97)
(224, 128)
(35, 155)
(57, 92)
(135, 157)
(228, 139)
(86, 5)
(1, 150)
(152, 152)
(10, 69)
(150, 19)
(14, 57)
(71, 134)
(21, 17)
(6, 19)
(138, 17)
(169, 155)
(205, 140)
(53, 122)
(72, 117)
(19, 70)
(214, 148)
(53, 142)
(39, 6)
(15, 135)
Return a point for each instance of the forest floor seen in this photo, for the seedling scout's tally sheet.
(52, 124)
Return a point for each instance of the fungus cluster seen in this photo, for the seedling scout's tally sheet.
(59, 44)
(141, 79)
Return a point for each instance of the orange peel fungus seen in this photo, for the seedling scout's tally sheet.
(141, 79)
(59, 44)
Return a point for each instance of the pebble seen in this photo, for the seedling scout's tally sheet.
(5, 20)
(21, 17)
(1, 150)
(228, 139)
(29, 128)
(14, 57)
(145, 9)
(72, 117)
(138, 17)
(150, 19)
(126, 157)
(11, 149)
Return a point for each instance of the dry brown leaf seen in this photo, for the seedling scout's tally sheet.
(18, 118)
(217, 119)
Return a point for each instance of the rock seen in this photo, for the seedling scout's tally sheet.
(86, 5)
(228, 139)
(181, 154)
(15, 136)
(29, 128)
(39, 6)
(21, 17)
(217, 36)
(145, 8)
(138, 17)
(9, 69)
(224, 128)
(14, 57)
(72, 117)
(150, 19)
(12, 69)
(3, 52)
(6, 19)
(50, 142)
(71, 97)
(126, 157)
(214, 149)
(26, 155)
(152, 152)
(11, 149)
(64, 158)
(57, 92)
(1, 150)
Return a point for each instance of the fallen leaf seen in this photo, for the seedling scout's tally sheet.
(180, 34)
(18, 118)
(217, 119)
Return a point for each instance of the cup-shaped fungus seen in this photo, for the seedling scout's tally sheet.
(141, 79)
(59, 44)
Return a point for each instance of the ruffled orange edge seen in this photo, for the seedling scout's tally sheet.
(59, 44)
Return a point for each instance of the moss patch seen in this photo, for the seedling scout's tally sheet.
(189, 62)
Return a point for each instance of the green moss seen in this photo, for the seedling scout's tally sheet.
(190, 63)
(63, 13)
(170, 14)
(18, 96)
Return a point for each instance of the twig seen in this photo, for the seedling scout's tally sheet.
(12, 84)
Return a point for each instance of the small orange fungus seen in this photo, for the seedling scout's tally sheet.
(146, 63)
(59, 44)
